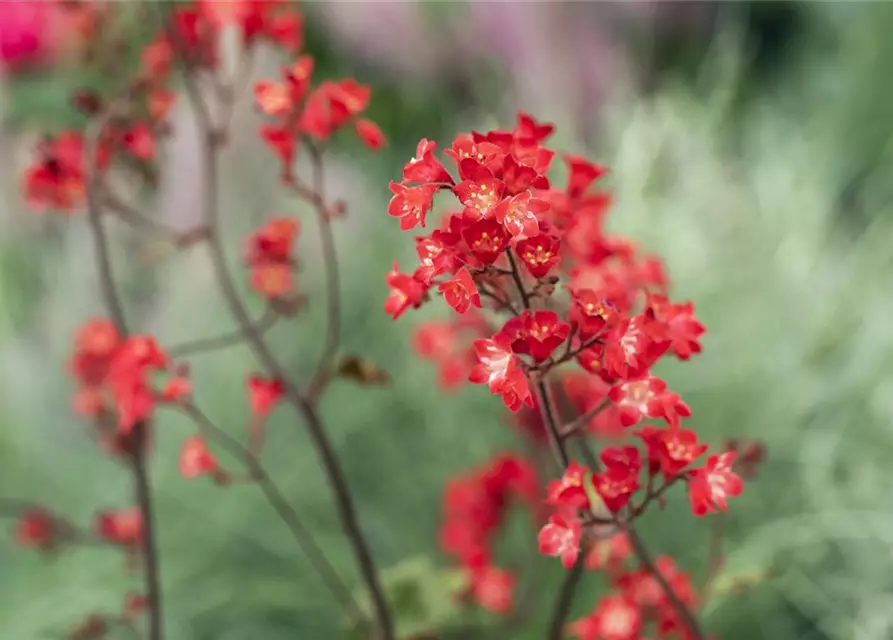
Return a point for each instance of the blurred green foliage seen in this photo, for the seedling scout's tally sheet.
(744, 202)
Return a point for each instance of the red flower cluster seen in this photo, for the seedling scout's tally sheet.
(115, 375)
(269, 256)
(636, 601)
(504, 248)
(474, 507)
(56, 179)
(300, 110)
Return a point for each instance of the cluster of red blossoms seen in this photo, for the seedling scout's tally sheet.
(119, 386)
(474, 507)
(587, 348)
(56, 180)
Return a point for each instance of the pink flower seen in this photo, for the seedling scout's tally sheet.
(29, 32)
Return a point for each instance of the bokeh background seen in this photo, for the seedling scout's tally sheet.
(749, 145)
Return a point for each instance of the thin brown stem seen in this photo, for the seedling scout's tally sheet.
(504, 303)
(284, 510)
(548, 413)
(686, 615)
(516, 276)
(333, 280)
(715, 558)
(115, 307)
(565, 600)
(152, 569)
(223, 341)
(129, 214)
(574, 426)
(321, 442)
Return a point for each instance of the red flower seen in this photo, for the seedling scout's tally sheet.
(498, 367)
(480, 194)
(518, 177)
(609, 554)
(273, 242)
(370, 134)
(195, 459)
(630, 351)
(436, 254)
(460, 292)
(128, 379)
(139, 141)
(710, 485)
(177, 389)
(570, 490)
(590, 313)
(264, 394)
(529, 129)
(272, 281)
(677, 323)
(411, 204)
(615, 617)
(405, 292)
(281, 139)
(671, 450)
(495, 362)
(486, 239)
(57, 179)
(519, 214)
(582, 174)
(540, 254)
(560, 538)
(36, 528)
(282, 98)
(647, 397)
(493, 589)
(424, 167)
(124, 527)
(620, 479)
(30, 32)
(542, 332)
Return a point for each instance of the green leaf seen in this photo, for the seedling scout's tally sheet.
(421, 595)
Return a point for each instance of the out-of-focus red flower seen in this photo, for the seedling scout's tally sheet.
(29, 33)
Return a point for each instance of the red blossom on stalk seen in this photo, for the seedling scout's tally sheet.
(37, 528)
(460, 292)
(561, 538)
(124, 527)
(512, 236)
(264, 394)
(710, 485)
(195, 459)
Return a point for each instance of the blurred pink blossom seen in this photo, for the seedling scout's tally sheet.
(29, 32)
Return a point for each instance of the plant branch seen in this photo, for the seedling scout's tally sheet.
(641, 552)
(231, 339)
(322, 444)
(131, 215)
(565, 600)
(575, 425)
(516, 276)
(330, 268)
(715, 556)
(284, 510)
(115, 307)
